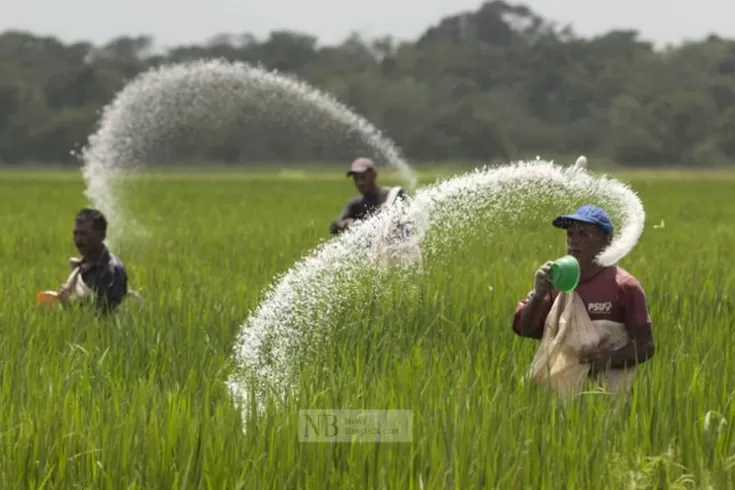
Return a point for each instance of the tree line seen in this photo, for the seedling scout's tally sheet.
(494, 84)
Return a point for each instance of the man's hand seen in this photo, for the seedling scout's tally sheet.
(63, 293)
(543, 282)
(346, 223)
(597, 359)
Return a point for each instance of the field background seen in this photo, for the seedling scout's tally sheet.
(140, 402)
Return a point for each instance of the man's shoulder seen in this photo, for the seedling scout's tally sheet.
(625, 279)
(356, 200)
(611, 278)
(399, 192)
(115, 264)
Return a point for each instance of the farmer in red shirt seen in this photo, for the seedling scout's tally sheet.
(609, 293)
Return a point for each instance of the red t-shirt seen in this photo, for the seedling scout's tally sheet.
(612, 294)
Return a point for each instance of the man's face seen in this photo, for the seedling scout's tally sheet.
(364, 181)
(585, 242)
(86, 238)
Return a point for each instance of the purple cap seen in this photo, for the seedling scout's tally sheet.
(361, 165)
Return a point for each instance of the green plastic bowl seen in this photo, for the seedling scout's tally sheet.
(565, 273)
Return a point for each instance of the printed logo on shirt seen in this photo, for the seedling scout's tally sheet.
(605, 307)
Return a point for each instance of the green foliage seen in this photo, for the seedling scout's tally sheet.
(140, 402)
(495, 84)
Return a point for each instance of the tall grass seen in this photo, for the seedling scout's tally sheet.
(140, 401)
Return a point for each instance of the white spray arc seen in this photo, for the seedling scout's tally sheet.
(286, 322)
(148, 115)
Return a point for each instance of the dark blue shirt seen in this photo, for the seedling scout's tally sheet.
(361, 207)
(108, 279)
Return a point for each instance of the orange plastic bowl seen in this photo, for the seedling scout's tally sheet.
(47, 297)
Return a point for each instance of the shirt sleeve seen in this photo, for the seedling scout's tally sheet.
(634, 304)
(113, 286)
(347, 212)
(538, 330)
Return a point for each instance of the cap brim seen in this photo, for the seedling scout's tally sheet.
(350, 173)
(565, 220)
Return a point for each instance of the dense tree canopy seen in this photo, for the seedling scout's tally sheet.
(496, 83)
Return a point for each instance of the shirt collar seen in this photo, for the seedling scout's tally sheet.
(104, 259)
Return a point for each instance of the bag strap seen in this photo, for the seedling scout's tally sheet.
(392, 194)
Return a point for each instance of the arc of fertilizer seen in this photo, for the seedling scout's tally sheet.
(149, 113)
(275, 334)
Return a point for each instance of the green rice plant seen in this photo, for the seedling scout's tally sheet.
(140, 401)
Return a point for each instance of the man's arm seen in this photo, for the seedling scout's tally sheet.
(531, 314)
(638, 350)
(638, 325)
(113, 286)
(336, 225)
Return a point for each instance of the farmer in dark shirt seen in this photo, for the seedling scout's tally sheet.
(609, 293)
(372, 197)
(101, 272)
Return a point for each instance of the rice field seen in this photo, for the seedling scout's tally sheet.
(140, 402)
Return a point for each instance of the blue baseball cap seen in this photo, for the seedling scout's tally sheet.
(586, 214)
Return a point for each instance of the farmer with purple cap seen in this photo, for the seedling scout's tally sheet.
(608, 292)
(372, 198)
